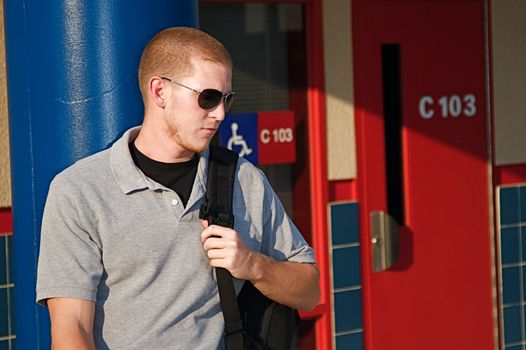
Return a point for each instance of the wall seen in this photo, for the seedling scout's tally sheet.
(5, 179)
(509, 80)
(341, 150)
(346, 275)
(512, 259)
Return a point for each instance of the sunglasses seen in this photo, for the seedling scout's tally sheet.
(210, 98)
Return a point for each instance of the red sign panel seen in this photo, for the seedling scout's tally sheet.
(276, 137)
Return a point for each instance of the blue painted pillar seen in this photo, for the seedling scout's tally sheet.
(72, 90)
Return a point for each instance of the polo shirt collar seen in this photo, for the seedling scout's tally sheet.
(125, 172)
(199, 188)
(131, 179)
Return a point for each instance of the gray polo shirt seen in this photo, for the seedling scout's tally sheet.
(112, 235)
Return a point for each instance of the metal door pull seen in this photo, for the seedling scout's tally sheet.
(384, 241)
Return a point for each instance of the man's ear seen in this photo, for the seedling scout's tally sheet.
(157, 91)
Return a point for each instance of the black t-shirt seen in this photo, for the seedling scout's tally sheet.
(176, 176)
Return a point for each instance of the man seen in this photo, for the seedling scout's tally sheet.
(125, 262)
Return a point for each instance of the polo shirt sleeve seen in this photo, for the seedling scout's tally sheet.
(69, 263)
(281, 238)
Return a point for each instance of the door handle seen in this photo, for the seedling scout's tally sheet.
(385, 246)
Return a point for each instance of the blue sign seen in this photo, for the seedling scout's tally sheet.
(239, 132)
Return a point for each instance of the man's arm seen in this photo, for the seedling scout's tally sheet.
(71, 323)
(289, 283)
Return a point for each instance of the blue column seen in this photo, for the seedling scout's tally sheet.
(72, 90)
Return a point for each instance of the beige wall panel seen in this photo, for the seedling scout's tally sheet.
(5, 177)
(341, 148)
(509, 77)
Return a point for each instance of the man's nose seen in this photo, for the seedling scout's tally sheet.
(218, 113)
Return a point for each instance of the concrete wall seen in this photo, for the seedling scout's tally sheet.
(341, 145)
(509, 77)
(5, 178)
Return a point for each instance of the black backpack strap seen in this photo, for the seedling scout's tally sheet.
(217, 209)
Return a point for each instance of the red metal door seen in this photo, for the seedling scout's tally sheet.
(422, 141)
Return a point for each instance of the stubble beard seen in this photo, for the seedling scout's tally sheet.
(174, 133)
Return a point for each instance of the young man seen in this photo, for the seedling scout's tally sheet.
(125, 262)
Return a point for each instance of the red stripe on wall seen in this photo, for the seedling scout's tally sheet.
(6, 221)
(509, 174)
(342, 190)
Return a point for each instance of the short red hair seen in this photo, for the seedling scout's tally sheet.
(169, 54)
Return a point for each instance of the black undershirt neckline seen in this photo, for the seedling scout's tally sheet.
(178, 177)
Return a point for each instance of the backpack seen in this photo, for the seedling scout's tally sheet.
(252, 321)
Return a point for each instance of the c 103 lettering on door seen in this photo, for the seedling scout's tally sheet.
(449, 106)
(281, 135)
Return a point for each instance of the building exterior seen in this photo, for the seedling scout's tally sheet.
(392, 131)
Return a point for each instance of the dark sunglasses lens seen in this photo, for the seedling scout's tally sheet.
(209, 98)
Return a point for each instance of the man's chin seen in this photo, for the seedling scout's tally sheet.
(199, 148)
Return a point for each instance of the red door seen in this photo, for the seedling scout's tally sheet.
(422, 139)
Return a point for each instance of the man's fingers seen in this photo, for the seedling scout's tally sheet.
(209, 232)
(215, 230)
(214, 243)
(219, 262)
(214, 254)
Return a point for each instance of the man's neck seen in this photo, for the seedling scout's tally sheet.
(158, 146)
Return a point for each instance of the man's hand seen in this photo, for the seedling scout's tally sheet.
(289, 283)
(225, 248)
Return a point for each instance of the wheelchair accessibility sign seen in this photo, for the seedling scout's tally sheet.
(262, 138)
